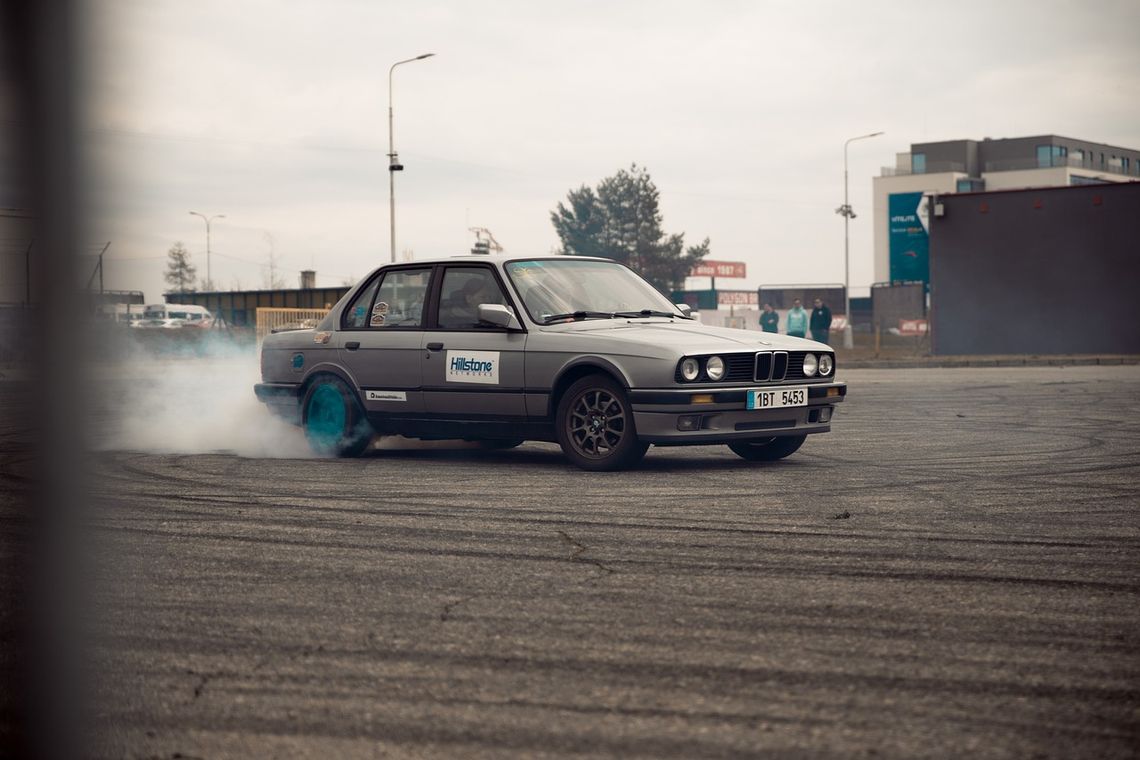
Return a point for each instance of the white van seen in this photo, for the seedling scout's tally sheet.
(173, 315)
(127, 314)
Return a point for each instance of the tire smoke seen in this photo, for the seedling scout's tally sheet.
(188, 396)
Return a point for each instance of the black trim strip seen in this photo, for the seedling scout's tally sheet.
(484, 389)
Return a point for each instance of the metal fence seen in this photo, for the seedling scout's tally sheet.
(271, 320)
(892, 303)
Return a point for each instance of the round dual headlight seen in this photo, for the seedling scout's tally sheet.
(714, 368)
(690, 369)
(826, 364)
(810, 365)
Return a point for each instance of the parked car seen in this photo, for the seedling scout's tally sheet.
(173, 316)
(575, 350)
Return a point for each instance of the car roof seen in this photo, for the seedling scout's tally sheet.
(498, 258)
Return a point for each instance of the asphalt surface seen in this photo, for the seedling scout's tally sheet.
(953, 571)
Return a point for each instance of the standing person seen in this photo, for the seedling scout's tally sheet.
(769, 319)
(797, 319)
(820, 321)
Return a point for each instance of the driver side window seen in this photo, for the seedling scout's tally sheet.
(464, 288)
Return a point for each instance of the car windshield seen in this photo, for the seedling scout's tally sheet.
(573, 288)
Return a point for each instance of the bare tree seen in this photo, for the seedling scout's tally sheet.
(180, 272)
(273, 279)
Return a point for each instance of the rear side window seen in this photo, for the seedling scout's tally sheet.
(395, 299)
(356, 315)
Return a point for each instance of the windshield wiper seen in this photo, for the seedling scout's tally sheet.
(646, 313)
(577, 315)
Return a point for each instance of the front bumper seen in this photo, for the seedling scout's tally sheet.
(666, 417)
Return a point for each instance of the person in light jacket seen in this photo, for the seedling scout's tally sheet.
(797, 319)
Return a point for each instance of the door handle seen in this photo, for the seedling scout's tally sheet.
(434, 346)
(352, 345)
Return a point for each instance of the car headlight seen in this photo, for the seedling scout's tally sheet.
(714, 368)
(826, 364)
(690, 369)
(810, 365)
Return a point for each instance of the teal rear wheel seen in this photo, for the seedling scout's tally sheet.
(333, 421)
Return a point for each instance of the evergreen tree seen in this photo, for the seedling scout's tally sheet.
(621, 220)
(180, 272)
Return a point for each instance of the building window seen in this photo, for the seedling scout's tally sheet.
(918, 163)
(971, 185)
(1051, 155)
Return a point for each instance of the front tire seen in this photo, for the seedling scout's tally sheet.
(768, 449)
(595, 427)
(333, 421)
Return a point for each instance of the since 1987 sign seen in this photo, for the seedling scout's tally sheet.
(719, 269)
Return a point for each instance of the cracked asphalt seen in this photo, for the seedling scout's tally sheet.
(954, 570)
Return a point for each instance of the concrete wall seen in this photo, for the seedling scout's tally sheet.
(1045, 271)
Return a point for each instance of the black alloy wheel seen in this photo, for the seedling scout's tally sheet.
(595, 426)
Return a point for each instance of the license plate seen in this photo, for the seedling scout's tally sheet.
(777, 398)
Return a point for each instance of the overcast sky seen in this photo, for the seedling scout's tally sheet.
(274, 113)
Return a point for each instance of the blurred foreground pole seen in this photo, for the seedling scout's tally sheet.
(39, 48)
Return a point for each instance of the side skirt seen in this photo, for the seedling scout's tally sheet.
(429, 428)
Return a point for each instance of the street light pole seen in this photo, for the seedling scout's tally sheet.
(394, 164)
(207, 220)
(847, 214)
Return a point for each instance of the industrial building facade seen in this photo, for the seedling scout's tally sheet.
(1042, 271)
(239, 308)
(901, 193)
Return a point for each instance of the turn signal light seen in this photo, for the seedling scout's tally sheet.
(701, 398)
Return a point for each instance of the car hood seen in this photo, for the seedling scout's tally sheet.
(683, 335)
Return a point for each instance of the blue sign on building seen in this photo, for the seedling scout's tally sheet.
(908, 219)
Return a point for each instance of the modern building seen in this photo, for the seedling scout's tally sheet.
(901, 215)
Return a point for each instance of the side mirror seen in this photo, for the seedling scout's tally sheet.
(685, 309)
(499, 316)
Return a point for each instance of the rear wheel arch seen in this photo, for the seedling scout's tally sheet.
(326, 370)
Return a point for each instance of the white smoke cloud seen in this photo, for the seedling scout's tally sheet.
(191, 404)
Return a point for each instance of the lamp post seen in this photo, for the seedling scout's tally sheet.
(207, 220)
(394, 164)
(847, 214)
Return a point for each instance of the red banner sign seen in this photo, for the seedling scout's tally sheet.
(737, 298)
(719, 269)
(912, 327)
